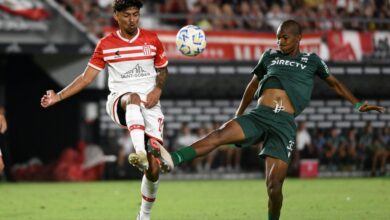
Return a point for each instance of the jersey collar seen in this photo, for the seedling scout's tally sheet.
(118, 32)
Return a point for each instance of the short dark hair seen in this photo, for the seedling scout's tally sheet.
(121, 5)
(295, 26)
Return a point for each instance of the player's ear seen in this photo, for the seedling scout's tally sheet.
(115, 15)
(299, 36)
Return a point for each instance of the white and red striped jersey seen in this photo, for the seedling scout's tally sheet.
(131, 63)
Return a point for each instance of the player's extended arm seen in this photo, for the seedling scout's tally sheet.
(247, 97)
(155, 94)
(82, 81)
(340, 89)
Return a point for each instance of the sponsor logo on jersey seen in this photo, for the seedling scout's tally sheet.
(117, 55)
(281, 62)
(136, 72)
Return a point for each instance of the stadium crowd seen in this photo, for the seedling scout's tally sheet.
(253, 15)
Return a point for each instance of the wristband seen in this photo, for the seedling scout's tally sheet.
(358, 105)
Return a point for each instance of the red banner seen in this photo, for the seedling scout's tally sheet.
(235, 46)
(33, 10)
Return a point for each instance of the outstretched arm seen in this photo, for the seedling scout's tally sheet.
(155, 94)
(343, 91)
(82, 81)
(248, 95)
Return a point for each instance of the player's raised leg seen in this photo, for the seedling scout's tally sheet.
(230, 132)
(130, 103)
(275, 173)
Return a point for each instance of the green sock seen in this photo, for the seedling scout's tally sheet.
(183, 154)
(272, 217)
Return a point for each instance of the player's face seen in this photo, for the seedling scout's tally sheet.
(287, 40)
(128, 20)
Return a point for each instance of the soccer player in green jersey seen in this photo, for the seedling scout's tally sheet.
(282, 82)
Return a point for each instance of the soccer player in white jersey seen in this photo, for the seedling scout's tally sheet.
(137, 70)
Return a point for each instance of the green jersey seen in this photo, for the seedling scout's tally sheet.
(296, 74)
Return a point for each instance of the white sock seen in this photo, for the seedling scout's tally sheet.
(149, 192)
(136, 125)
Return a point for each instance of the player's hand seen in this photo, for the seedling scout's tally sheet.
(49, 99)
(153, 97)
(366, 107)
(3, 124)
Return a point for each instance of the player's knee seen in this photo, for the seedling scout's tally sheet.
(274, 187)
(134, 98)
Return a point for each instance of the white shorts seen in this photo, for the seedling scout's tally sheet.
(0, 153)
(153, 117)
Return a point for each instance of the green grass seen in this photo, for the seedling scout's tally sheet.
(198, 200)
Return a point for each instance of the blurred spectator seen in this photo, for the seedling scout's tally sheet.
(174, 7)
(365, 141)
(228, 21)
(275, 16)
(379, 154)
(331, 148)
(319, 141)
(351, 149)
(305, 148)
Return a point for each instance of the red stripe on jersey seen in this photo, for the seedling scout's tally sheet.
(148, 199)
(130, 59)
(126, 52)
(133, 127)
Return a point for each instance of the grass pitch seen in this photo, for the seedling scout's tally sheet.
(197, 200)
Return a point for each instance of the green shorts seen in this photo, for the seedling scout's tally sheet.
(276, 130)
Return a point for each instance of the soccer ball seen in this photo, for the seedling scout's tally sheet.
(191, 40)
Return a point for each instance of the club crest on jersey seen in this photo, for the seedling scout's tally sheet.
(147, 50)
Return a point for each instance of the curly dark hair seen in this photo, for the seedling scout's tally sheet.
(121, 5)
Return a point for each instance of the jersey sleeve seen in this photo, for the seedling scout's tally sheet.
(261, 69)
(161, 59)
(97, 59)
(322, 69)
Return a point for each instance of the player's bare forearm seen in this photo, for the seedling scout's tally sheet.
(340, 89)
(82, 81)
(248, 95)
(161, 77)
(343, 91)
(154, 95)
(78, 84)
